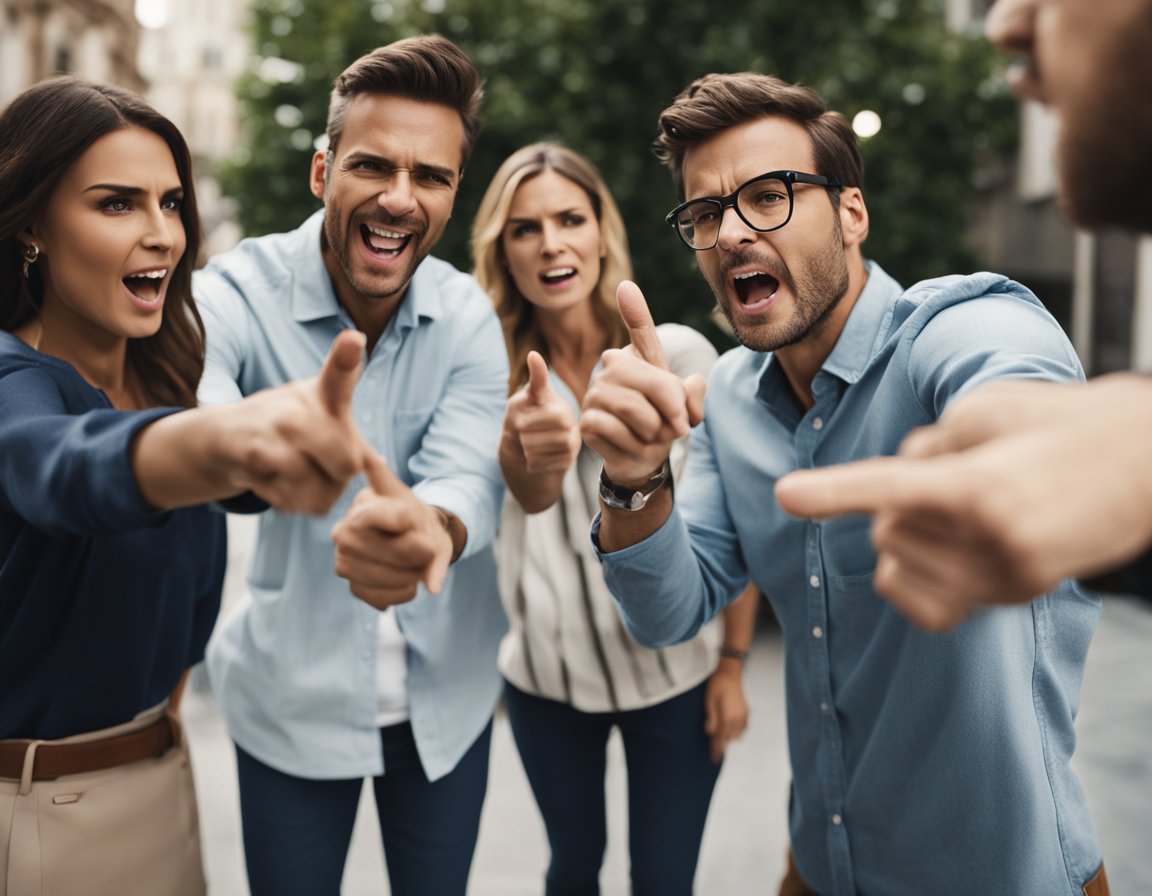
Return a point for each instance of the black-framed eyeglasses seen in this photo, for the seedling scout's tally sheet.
(763, 203)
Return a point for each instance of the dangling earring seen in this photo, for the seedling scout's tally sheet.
(31, 253)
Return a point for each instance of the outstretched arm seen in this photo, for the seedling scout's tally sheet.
(1018, 486)
(295, 446)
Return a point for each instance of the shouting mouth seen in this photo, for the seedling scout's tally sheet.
(557, 276)
(755, 288)
(147, 286)
(384, 242)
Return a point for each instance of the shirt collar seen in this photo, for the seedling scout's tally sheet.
(863, 333)
(865, 328)
(314, 298)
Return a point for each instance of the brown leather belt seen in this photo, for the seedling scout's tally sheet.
(54, 759)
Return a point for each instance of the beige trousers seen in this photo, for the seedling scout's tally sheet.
(132, 830)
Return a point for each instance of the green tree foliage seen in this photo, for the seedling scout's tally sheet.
(596, 73)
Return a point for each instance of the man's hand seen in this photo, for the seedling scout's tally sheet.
(1018, 486)
(635, 408)
(390, 541)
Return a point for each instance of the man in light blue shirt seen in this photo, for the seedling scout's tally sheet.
(320, 689)
(922, 764)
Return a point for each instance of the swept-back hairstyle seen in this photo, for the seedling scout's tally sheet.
(428, 68)
(43, 132)
(518, 315)
(715, 103)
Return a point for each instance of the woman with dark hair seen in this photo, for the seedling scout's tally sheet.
(110, 572)
(549, 246)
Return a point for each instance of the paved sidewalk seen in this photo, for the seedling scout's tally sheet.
(742, 854)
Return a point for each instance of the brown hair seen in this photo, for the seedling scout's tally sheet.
(714, 103)
(43, 132)
(428, 68)
(517, 314)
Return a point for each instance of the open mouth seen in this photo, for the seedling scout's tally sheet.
(556, 276)
(755, 287)
(146, 286)
(382, 241)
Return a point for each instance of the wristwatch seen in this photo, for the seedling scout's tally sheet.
(623, 498)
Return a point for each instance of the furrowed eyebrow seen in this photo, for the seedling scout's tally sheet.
(353, 157)
(116, 188)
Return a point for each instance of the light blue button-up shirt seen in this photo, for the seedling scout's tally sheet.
(294, 669)
(923, 764)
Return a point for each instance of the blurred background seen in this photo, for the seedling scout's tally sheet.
(958, 177)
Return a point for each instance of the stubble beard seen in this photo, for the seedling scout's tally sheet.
(817, 289)
(1104, 154)
(373, 287)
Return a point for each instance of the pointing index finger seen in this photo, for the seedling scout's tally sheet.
(537, 378)
(638, 319)
(865, 486)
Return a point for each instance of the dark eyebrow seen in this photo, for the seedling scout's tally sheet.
(562, 212)
(129, 191)
(357, 156)
(116, 188)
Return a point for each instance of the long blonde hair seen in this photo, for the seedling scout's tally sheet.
(517, 314)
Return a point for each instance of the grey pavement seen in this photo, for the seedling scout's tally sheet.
(744, 843)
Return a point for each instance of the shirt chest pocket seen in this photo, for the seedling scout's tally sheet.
(404, 436)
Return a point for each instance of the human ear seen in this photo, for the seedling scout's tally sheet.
(318, 174)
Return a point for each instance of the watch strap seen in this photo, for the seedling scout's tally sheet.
(633, 499)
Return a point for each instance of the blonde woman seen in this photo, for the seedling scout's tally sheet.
(550, 248)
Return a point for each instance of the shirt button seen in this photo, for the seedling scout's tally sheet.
(818, 423)
(814, 581)
(837, 820)
(817, 632)
(823, 707)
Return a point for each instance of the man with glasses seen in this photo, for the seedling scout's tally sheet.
(922, 764)
(1074, 495)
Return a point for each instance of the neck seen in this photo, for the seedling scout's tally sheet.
(371, 314)
(801, 361)
(575, 341)
(100, 358)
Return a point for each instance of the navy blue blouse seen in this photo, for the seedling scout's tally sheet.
(104, 602)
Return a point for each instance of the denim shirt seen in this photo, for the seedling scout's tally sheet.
(294, 667)
(922, 763)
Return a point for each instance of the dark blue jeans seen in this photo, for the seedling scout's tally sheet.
(297, 830)
(670, 782)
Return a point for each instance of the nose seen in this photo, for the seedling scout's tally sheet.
(1011, 25)
(163, 231)
(733, 230)
(396, 196)
(550, 242)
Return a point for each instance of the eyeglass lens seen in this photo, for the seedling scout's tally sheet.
(764, 204)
